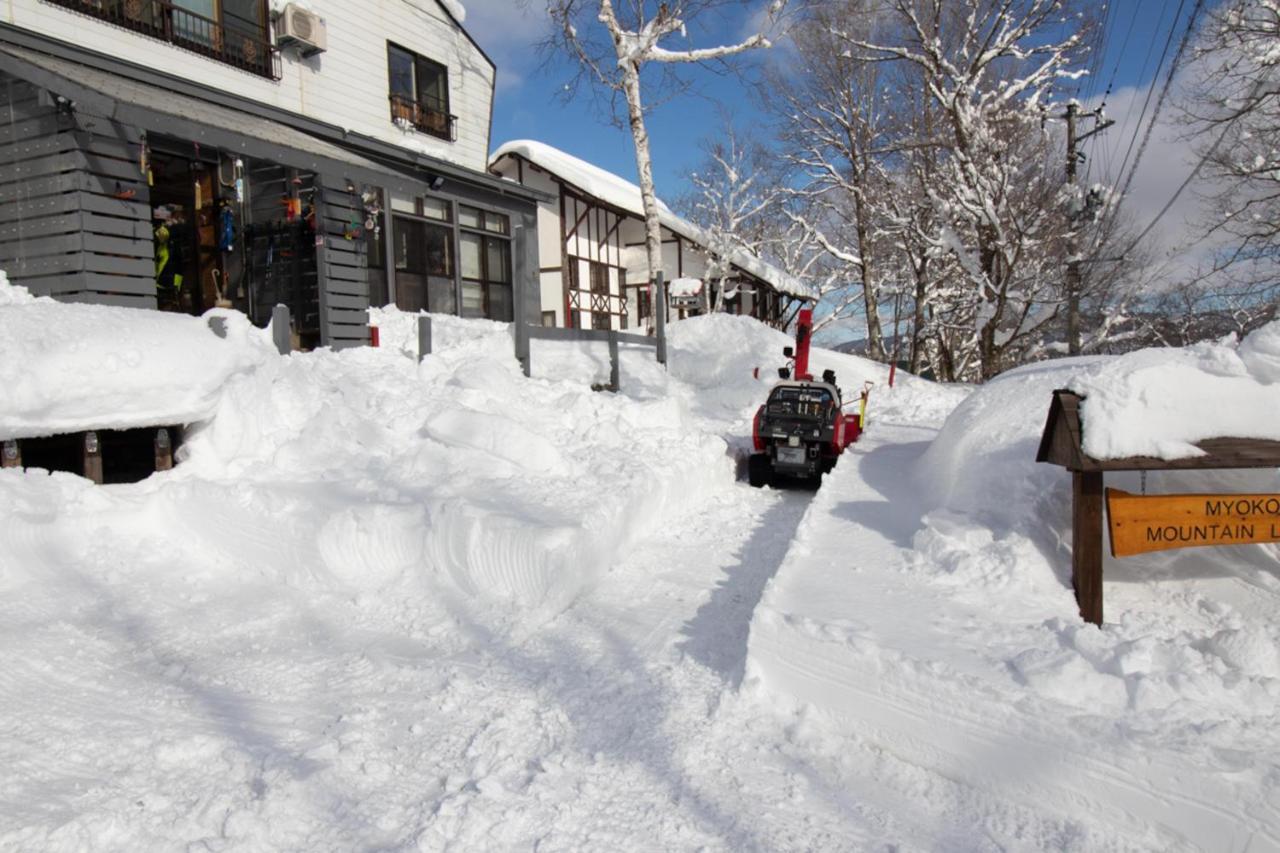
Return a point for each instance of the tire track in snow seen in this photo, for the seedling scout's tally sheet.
(716, 636)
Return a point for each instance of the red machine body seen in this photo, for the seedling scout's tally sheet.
(802, 428)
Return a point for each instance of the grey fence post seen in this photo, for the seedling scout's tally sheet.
(615, 381)
(424, 336)
(280, 329)
(522, 344)
(660, 309)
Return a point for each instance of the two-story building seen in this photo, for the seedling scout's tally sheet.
(183, 154)
(595, 268)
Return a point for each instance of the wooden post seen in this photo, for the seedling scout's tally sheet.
(11, 454)
(164, 450)
(92, 458)
(1086, 543)
(614, 371)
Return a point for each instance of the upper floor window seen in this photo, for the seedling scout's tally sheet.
(419, 92)
(232, 31)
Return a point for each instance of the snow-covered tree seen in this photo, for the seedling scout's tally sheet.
(612, 42)
(731, 196)
(1235, 109)
(833, 117)
(988, 66)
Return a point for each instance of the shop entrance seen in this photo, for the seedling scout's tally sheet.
(185, 214)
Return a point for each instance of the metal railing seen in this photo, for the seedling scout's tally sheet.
(247, 50)
(525, 333)
(426, 117)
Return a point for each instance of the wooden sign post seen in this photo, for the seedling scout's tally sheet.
(1140, 523)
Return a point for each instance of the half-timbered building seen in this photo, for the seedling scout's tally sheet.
(591, 244)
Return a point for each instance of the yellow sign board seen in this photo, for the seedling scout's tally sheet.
(1142, 523)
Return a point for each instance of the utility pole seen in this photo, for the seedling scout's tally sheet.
(1077, 216)
(1073, 245)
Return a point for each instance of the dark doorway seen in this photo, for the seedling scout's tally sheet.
(184, 211)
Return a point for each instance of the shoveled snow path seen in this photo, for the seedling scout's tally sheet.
(929, 719)
(252, 717)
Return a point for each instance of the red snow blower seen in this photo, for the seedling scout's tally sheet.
(802, 428)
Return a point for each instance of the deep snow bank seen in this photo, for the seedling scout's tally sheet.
(517, 489)
(1159, 402)
(67, 367)
(365, 472)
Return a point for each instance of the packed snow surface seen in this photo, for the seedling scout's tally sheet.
(400, 605)
(1160, 402)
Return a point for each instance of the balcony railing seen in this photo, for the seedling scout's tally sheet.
(426, 117)
(245, 49)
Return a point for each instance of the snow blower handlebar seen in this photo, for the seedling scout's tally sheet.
(804, 331)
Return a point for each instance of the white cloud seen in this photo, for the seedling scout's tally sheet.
(1169, 158)
(508, 30)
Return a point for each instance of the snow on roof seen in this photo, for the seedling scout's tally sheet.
(685, 287)
(1159, 402)
(456, 9)
(625, 195)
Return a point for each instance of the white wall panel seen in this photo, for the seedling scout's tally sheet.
(346, 86)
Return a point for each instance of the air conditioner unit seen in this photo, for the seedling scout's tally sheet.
(297, 26)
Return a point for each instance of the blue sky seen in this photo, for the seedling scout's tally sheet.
(529, 103)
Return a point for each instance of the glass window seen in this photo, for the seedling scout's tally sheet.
(436, 208)
(401, 70)
(423, 247)
(419, 90)
(432, 85)
(471, 261)
(499, 303)
(486, 275)
(499, 260)
(244, 15)
(496, 223)
(469, 217)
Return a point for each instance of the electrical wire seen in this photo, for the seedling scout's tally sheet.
(1164, 92)
(1105, 151)
(1137, 128)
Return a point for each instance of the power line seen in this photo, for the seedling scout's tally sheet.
(1164, 92)
(1137, 128)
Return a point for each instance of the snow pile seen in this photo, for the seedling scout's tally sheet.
(1159, 402)
(523, 490)
(686, 287)
(934, 610)
(73, 367)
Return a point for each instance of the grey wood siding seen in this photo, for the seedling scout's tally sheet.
(74, 212)
(341, 259)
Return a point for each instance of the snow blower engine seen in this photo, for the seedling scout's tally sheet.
(802, 429)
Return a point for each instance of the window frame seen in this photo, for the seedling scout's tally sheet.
(434, 119)
(487, 236)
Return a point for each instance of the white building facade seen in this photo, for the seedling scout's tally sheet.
(325, 154)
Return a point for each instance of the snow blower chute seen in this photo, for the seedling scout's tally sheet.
(802, 428)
